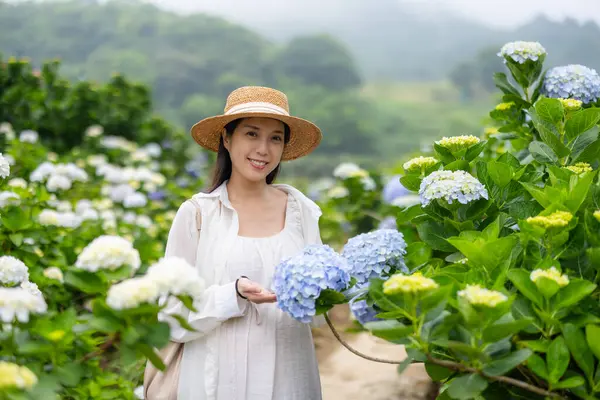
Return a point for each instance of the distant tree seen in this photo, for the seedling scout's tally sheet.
(319, 60)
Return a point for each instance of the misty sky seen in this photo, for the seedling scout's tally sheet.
(499, 13)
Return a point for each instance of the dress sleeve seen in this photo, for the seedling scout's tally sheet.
(218, 303)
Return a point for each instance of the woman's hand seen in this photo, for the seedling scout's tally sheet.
(254, 292)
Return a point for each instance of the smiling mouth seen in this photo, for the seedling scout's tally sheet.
(257, 163)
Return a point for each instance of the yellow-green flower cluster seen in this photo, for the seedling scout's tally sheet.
(419, 163)
(557, 219)
(552, 274)
(505, 106)
(456, 143)
(415, 283)
(580, 168)
(490, 131)
(571, 104)
(597, 215)
(15, 376)
(479, 296)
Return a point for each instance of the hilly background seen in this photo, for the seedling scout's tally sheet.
(379, 78)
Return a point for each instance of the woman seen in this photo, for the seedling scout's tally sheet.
(243, 346)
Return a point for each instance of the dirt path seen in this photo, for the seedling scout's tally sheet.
(345, 376)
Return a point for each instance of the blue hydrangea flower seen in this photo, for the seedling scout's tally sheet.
(521, 51)
(363, 312)
(299, 280)
(157, 196)
(450, 186)
(388, 223)
(372, 254)
(573, 81)
(394, 189)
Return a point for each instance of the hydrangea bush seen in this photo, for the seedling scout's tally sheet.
(83, 233)
(500, 299)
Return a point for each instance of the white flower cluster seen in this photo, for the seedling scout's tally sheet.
(349, 170)
(18, 301)
(29, 136)
(54, 273)
(125, 194)
(58, 176)
(4, 167)
(108, 252)
(12, 271)
(172, 275)
(6, 129)
(94, 131)
(118, 142)
(66, 219)
(450, 186)
(9, 198)
(18, 183)
(521, 51)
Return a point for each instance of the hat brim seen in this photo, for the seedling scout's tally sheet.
(304, 135)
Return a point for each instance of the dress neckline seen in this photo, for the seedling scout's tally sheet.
(275, 235)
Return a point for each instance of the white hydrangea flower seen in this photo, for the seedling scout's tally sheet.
(83, 205)
(346, 170)
(28, 136)
(9, 198)
(176, 276)
(94, 131)
(135, 200)
(7, 130)
(118, 142)
(480, 296)
(153, 149)
(63, 219)
(158, 179)
(140, 155)
(29, 241)
(521, 51)
(42, 171)
(119, 193)
(18, 183)
(4, 167)
(19, 303)
(338, 192)
(133, 292)
(451, 186)
(54, 273)
(58, 182)
(108, 252)
(32, 288)
(16, 376)
(63, 206)
(368, 183)
(89, 215)
(97, 160)
(12, 271)
(143, 221)
(405, 201)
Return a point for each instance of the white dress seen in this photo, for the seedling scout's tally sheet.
(240, 350)
(280, 361)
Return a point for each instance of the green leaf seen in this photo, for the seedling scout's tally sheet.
(523, 283)
(576, 290)
(537, 193)
(436, 372)
(443, 154)
(152, 356)
(557, 358)
(158, 335)
(435, 234)
(547, 286)
(382, 301)
(542, 153)
(507, 158)
(592, 335)
(540, 345)
(500, 173)
(467, 386)
(389, 330)
(330, 297)
(411, 182)
(183, 323)
(16, 238)
(579, 187)
(551, 137)
(590, 153)
(550, 110)
(35, 348)
(575, 340)
(16, 219)
(582, 141)
(458, 165)
(85, 281)
(417, 254)
(505, 364)
(581, 121)
(569, 383)
(70, 374)
(499, 331)
(475, 150)
(538, 366)
(503, 84)
(403, 365)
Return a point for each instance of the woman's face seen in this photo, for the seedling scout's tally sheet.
(256, 147)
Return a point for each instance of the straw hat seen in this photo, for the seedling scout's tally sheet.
(257, 101)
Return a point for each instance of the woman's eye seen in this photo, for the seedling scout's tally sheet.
(277, 138)
(251, 133)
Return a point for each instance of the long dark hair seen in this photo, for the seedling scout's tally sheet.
(223, 166)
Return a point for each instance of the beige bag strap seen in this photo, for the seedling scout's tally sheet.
(159, 385)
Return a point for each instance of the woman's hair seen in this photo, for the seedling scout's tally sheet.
(223, 166)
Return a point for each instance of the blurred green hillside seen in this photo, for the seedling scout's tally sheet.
(191, 63)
